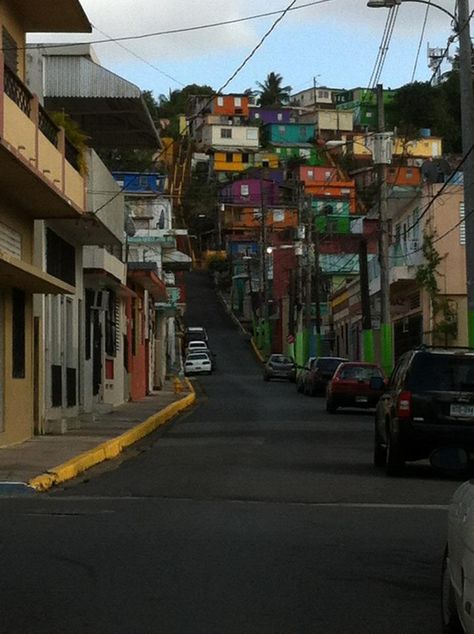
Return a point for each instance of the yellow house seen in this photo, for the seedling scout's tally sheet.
(232, 160)
(39, 179)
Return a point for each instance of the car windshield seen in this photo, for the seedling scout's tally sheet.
(328, 364)
(280, 359)
(359, 373)
(441, 372)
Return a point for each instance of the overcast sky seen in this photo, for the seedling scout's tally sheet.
(336, 41)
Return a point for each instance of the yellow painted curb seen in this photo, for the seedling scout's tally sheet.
(260, 357)
(111, 448)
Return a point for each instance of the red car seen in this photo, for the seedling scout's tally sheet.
(350, 386)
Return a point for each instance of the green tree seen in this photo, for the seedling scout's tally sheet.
(175, 103)
(271, 91)
(421, 105)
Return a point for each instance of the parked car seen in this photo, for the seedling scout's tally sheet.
(195, 346)
(428, 403)
(195, 333)
(350, 386)
(320, 374)
(303, 374)
(279, 366)
(457, 589)
(197, 363)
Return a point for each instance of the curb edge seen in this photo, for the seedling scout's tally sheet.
(111, 448)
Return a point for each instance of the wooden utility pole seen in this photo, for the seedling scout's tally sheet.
(385, 318)
(367, 333)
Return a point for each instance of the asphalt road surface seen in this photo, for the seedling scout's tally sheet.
(254, 512)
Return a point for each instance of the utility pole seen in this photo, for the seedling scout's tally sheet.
(317, 293)
(386, 357)
(467, 125)
(367, 332)
(309, 268)
(264, 324)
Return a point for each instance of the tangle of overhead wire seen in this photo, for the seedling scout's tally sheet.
(209, 100)
(422, 34)
(384, 46)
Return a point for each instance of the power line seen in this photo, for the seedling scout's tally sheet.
(444, 186)
(145, 61)
(211, 97)
(422, 34)
(188, 29)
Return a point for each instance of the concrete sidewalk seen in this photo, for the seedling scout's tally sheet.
(45, 461)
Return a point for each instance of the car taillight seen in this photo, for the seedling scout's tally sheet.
(404, 405)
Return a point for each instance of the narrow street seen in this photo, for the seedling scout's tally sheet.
(255, 512)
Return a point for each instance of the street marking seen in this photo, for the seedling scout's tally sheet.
(328, 505)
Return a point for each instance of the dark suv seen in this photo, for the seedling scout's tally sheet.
(428, 404)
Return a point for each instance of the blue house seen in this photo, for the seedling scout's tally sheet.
(140, 182)
(293, 133)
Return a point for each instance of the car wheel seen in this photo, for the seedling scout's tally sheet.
(449, 613)
(331, 406)
(394, 462)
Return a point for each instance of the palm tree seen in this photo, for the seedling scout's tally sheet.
(272, 93)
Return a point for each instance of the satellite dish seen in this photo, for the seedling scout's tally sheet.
(429, 172)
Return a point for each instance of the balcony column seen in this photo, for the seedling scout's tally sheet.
(34, 116)
(62, 150)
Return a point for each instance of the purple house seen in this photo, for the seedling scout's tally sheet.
(248, 191)
(273, 115)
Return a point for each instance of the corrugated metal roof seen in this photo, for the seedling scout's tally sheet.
(67, 76)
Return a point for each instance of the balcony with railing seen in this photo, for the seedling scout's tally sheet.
(38, 166)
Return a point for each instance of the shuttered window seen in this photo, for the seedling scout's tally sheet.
(60, 258)
(462, 226)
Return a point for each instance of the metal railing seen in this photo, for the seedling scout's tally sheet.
(48, 127)
(17, 91)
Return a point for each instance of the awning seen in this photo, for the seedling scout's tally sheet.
(225, 148)
(88, 229)
(20, 274)
(103, 280)
(176, 261)
(149, 280)
(47, 16)
(108, 108)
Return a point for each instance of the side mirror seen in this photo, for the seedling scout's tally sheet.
(377, 383)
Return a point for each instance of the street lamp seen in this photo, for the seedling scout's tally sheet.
(461, 26)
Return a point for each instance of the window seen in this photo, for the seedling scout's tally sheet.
(229, 157)
(397, 234)
(409, 173)
(252, 134)
(244, 190)
(111, 325)
(237, 102)
(281, 129)
(245, 157)
(310, 174)
(279, 116)
(220, 101)
(10, 50)
(60, 258)
(257, 115)
(18, 334)
(226, 133)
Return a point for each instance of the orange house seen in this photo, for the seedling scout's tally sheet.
(333, 189)
(231, 105)
(249, 218)
(403, 176)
